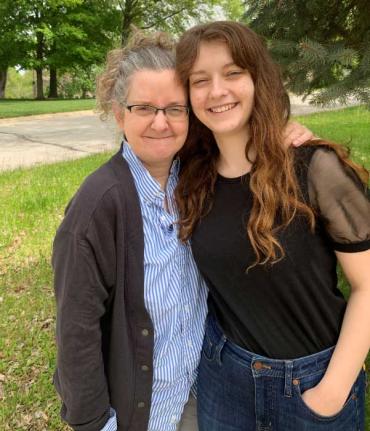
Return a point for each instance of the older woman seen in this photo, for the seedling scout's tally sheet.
(131, 304)
(130, 311)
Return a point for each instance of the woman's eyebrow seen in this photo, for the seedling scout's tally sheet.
(198, 72)
(176, 102)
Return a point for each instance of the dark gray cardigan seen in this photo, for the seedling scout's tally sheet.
(104, 333)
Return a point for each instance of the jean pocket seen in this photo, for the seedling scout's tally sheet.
(302, 385)
(208, 349)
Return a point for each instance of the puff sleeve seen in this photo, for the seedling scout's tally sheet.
(341, 200)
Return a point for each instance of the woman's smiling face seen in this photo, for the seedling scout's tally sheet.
(154, 139)
(221, 93)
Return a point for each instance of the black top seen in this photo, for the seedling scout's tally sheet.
(292, 308)
(104, 332)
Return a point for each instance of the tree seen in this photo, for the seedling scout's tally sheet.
(81, 38)
(73, 35)
(55, 34)
(80, 82)
(13, 43)
(323, 47)
(171, 16)
(68, 34)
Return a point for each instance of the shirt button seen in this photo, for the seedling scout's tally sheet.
(186, 308)
(173, 419)
(141, 404)
(190, 344)
(144, 332)
(144, 368)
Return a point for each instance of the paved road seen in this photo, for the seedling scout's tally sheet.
(27, 141)
(50, 138)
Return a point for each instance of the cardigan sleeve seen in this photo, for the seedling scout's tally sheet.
(111, 425)
(81, 295)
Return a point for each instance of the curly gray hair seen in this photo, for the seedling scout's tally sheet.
(143, 52)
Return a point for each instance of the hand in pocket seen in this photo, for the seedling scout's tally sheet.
(324, 402)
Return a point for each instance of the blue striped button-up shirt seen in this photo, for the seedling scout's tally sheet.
(174, 294)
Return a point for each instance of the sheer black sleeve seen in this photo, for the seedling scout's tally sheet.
(341, 200)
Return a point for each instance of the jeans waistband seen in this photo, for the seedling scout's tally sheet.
(296, 368)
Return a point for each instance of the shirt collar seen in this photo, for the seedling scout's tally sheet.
(148, 187)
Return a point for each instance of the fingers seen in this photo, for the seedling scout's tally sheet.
(296, 134)
(307, 135)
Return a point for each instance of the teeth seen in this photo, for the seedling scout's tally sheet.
(223, 108)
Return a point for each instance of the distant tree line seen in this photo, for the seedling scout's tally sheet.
(322, 47)
(72, 37)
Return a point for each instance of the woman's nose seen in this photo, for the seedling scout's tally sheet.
(218, 88)
(160, 121)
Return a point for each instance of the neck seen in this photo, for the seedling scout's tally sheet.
(159, 172)
(232, 161)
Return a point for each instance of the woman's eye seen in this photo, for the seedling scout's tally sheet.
(235, 72)
(144, 108)
(199, 81)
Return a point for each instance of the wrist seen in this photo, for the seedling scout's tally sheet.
(333, 390)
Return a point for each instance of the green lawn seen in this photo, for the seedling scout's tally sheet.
(350, 127)
(31, 207)
(17, 108)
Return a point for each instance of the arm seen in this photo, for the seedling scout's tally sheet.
(341, 199)
(328, 397)
(80, 296)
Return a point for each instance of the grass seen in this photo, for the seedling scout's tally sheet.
(349, 127)
(17, 108)
(31, 204)
(31, 207)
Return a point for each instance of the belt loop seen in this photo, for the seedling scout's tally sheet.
(288, 378)
(219, 348)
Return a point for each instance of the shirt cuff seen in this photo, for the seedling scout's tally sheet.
(111, 424)
(353, 247)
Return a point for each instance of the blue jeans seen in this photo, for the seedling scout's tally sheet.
(241, 391)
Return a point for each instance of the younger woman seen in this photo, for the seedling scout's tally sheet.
(282, 351)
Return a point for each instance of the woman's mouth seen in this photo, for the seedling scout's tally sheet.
(222, 108)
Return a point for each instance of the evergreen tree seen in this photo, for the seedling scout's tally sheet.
(323, 47)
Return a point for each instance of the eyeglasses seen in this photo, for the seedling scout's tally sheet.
(173, 113)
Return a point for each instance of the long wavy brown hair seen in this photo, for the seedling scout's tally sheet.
(273, 182)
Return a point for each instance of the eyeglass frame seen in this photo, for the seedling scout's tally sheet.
(156, 109)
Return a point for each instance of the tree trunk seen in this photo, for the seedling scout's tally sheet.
(39, 56)
(3, 77)
(126, 31)
(39, 84)
(53, 84)
(127, 19)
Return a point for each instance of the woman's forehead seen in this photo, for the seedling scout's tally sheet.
(147, 84)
